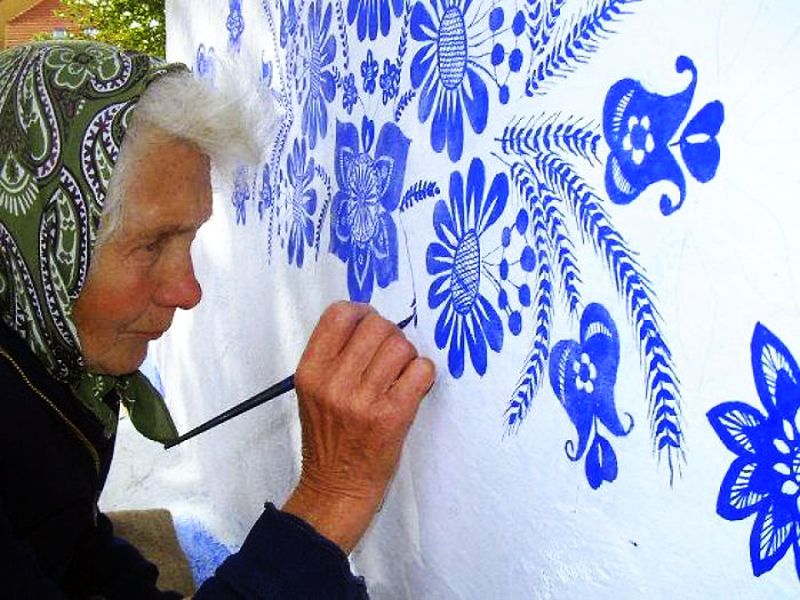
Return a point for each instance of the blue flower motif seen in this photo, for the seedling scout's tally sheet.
(468, 320)
(321, 83)
(241, 194)
(302, 202)
(371, 14)
(390, 80)
(369, 71)
(235, 24)
(639, 126)
(363, 233)
(583, 374)
(450, 78)
(764, 478)
(349, 93)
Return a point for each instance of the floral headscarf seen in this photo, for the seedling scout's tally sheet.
(64, 110)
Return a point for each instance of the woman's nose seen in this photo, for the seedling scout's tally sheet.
(181, 289)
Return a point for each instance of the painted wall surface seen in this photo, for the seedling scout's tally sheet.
(588, 208)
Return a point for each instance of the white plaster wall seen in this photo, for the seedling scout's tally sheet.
(475, 512)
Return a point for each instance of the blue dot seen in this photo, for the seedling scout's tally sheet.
(506, 238)
(502, 300)
(515, 322)
(498, 54)
(522, 221)
(496, 18)
(518, 26)
(525, 294)
(504, 94)
(527, 259)
(515, 60)
(504, 269)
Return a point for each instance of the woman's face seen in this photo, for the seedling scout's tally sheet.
(144, 271)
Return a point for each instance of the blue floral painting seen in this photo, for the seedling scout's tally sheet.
(468, 322)
(764, 478)
(515, 215)
(640, 126)
(363, 230)
(318, 78)
(583, 373)
(450, 81)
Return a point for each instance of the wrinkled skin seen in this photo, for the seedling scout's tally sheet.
(144, 273)
(359, 383)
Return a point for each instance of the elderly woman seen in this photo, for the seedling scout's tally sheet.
(104, 181)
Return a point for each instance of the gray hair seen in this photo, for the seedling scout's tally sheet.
(230, 121)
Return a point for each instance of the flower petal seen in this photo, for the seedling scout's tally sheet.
(439, 292)
(495, 202)
(327, 86)
(421, 64)
(770, 358)
(476, 100)
(457, 208)
(476, 180)
(384, 251)
(770, 539)
(455, 357)
(438, 259)
(443, 224)
(476, 343)
(328, 52)
(738, 497)
(359, 274)
(422, 27)
(439, 125)
(455, 130)
(736, 423)
(491, 323)
(444, 326)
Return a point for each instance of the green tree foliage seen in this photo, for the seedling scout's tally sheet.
(131, 24)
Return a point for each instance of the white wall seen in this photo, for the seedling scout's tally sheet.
(476, 510)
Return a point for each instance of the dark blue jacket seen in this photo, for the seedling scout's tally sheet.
(54, 543)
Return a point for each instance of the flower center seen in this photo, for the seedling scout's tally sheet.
(452, 48)
(639, 136)
(466, 275)
(363, 186)
(314, 70)
(585, 372)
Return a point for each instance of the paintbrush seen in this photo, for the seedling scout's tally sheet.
(273, 391)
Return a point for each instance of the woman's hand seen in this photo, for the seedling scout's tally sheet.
(359, 383)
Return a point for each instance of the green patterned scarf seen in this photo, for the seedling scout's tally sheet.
(64, 110)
